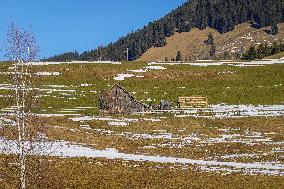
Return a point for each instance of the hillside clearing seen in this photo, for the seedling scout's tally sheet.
(192, 44)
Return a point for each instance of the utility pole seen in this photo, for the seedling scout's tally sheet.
(127, 54)
(100, 52)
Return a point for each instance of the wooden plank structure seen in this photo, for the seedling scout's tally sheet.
(119, 101)
(193, 102)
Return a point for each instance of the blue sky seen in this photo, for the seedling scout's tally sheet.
(67, 25)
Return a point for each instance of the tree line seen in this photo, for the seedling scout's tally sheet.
(65, 57)
(262, 51)
(221, 15)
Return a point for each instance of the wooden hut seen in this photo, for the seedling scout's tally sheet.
(119, 101)
(193, 102)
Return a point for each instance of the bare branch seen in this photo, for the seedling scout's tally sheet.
(21, 45)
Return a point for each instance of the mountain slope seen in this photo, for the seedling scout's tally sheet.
(192, 44)
(277, 56)
(221, 15)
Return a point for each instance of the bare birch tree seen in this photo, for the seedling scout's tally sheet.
(21, 48)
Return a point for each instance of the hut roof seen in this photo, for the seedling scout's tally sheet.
(124, 90)
(130, 94)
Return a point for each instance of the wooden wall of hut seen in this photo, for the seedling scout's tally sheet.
(120, 101)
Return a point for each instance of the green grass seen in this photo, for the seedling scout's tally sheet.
(221, 84)
(247, 85)
(242, 87)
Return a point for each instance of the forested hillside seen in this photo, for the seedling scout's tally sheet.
(234, 44)
(221, 15)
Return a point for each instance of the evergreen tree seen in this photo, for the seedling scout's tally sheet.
(226, 55)
(221, 15)
(274, 48)
(178, 57)
(210, 40)
(263, 50)
(212, 51)
(274, 29)
(241, 52)
(251, 54)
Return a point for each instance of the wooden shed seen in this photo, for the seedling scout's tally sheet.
(119, 101)
(193, 102)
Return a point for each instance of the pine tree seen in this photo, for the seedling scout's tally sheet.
(251, 54)
(263, 50)
(221, 15)
(212, 51)
(226, 55)
(210, 40)
(178, 57)
(274, 29)
(241, 52)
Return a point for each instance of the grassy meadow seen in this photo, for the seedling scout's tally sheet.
(75, 90)
(220, 84)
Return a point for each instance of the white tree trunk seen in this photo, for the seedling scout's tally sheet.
(20, 116)
(21, 47)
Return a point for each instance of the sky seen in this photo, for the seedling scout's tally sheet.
(67, 25)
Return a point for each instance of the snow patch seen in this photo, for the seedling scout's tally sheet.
(48, 73)
(138, 71)
(66, 149)
(155, 68)
(114, 123)
(222, 111)
(72, 62)
(121, 77)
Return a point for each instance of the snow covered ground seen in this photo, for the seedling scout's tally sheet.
(235, 111)
(47, 73)
(217, 111)
(219, 63)
(72, 62)
(65, 149)
(195, 63)
(113, 121)
(155, 68)
(122, 76)
(158, 66)
(225, 163)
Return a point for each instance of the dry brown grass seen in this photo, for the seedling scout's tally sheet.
(49, 172)
(99, 173)
(204, 128)
(192, 46)
(277, 56)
